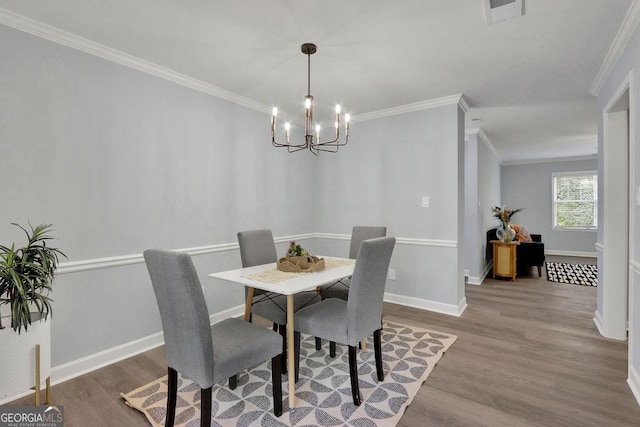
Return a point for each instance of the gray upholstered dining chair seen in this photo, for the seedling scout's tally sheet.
(205, 353)
(348, 322)
(258, 247)
(359, 233)
(340, 289)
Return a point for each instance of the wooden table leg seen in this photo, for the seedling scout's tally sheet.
(291, 366)
(248, 302)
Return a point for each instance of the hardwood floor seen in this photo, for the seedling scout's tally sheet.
(527, 354)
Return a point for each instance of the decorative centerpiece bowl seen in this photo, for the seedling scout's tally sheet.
(297, 260)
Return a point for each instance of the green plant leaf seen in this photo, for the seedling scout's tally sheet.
(26, 276)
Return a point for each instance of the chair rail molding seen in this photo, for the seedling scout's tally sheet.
(119, 261)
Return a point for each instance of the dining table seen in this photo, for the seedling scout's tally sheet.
(268, 278)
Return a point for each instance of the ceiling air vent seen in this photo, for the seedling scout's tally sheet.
(502, 10)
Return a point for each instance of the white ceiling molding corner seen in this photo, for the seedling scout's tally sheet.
(629, 25)
(464, 104)
(489, 144)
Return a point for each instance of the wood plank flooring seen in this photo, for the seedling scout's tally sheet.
(528, 354)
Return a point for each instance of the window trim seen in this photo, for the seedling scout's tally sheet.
(554, 225)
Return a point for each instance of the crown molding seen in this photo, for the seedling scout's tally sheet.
(56, 35)
(478, 131)
(629, 25)
(550, 160)
(416, 106)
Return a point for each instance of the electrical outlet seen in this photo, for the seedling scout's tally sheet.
(392, 274)
(425, 201)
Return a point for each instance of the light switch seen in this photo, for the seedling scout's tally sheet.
(425, 201)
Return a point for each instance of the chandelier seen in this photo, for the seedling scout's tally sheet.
(311, 131)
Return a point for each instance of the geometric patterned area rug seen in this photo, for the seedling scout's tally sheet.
(323, 391)
(574, 274)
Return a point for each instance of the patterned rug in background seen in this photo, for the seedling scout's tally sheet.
(323, 391)
(573, 274)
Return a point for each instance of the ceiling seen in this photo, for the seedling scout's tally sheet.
(526, 79)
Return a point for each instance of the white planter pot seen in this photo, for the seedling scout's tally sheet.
(17, 358)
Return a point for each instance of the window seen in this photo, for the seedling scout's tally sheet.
(575, 200)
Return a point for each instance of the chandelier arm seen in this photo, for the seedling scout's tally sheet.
(277, 144)
(294, 148)
(326, 150)
(335, 142)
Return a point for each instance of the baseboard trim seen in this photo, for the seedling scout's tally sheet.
(75, 368)
(472, 280)
(634, 383)
(597, 320)
(485, 273)
(572, 253)
(101, 359)
(438, 307)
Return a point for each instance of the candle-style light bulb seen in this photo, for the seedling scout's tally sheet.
(273, 121)
(347, 117)
(287, 127)
(307, 103)
(337, 108)
(318, 133)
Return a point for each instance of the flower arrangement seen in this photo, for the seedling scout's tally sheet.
(504, 215)
(505, 233)
(296, 250)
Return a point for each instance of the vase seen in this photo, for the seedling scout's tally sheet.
(505, 233)
(17, 352)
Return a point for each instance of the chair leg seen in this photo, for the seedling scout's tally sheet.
(332, 348)
(276, 382)
(275, 327)
(318, 343)
(283, 333)
(377, 346)
(539, 271)
(233, 382)
(296, 349)
(205, 407)
(172, 395)
(353, 374)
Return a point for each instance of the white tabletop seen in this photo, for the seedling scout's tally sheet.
(300, 283)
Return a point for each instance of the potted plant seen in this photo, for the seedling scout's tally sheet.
(26, 276)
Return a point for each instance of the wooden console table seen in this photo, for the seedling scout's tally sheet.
(504, 259)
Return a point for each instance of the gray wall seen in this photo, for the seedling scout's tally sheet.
(119, 161)
(529, 186)
(380, 178)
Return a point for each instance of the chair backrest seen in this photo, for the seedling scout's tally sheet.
(366, 291)
(184, 314)
(360, 233)
(256, 247)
